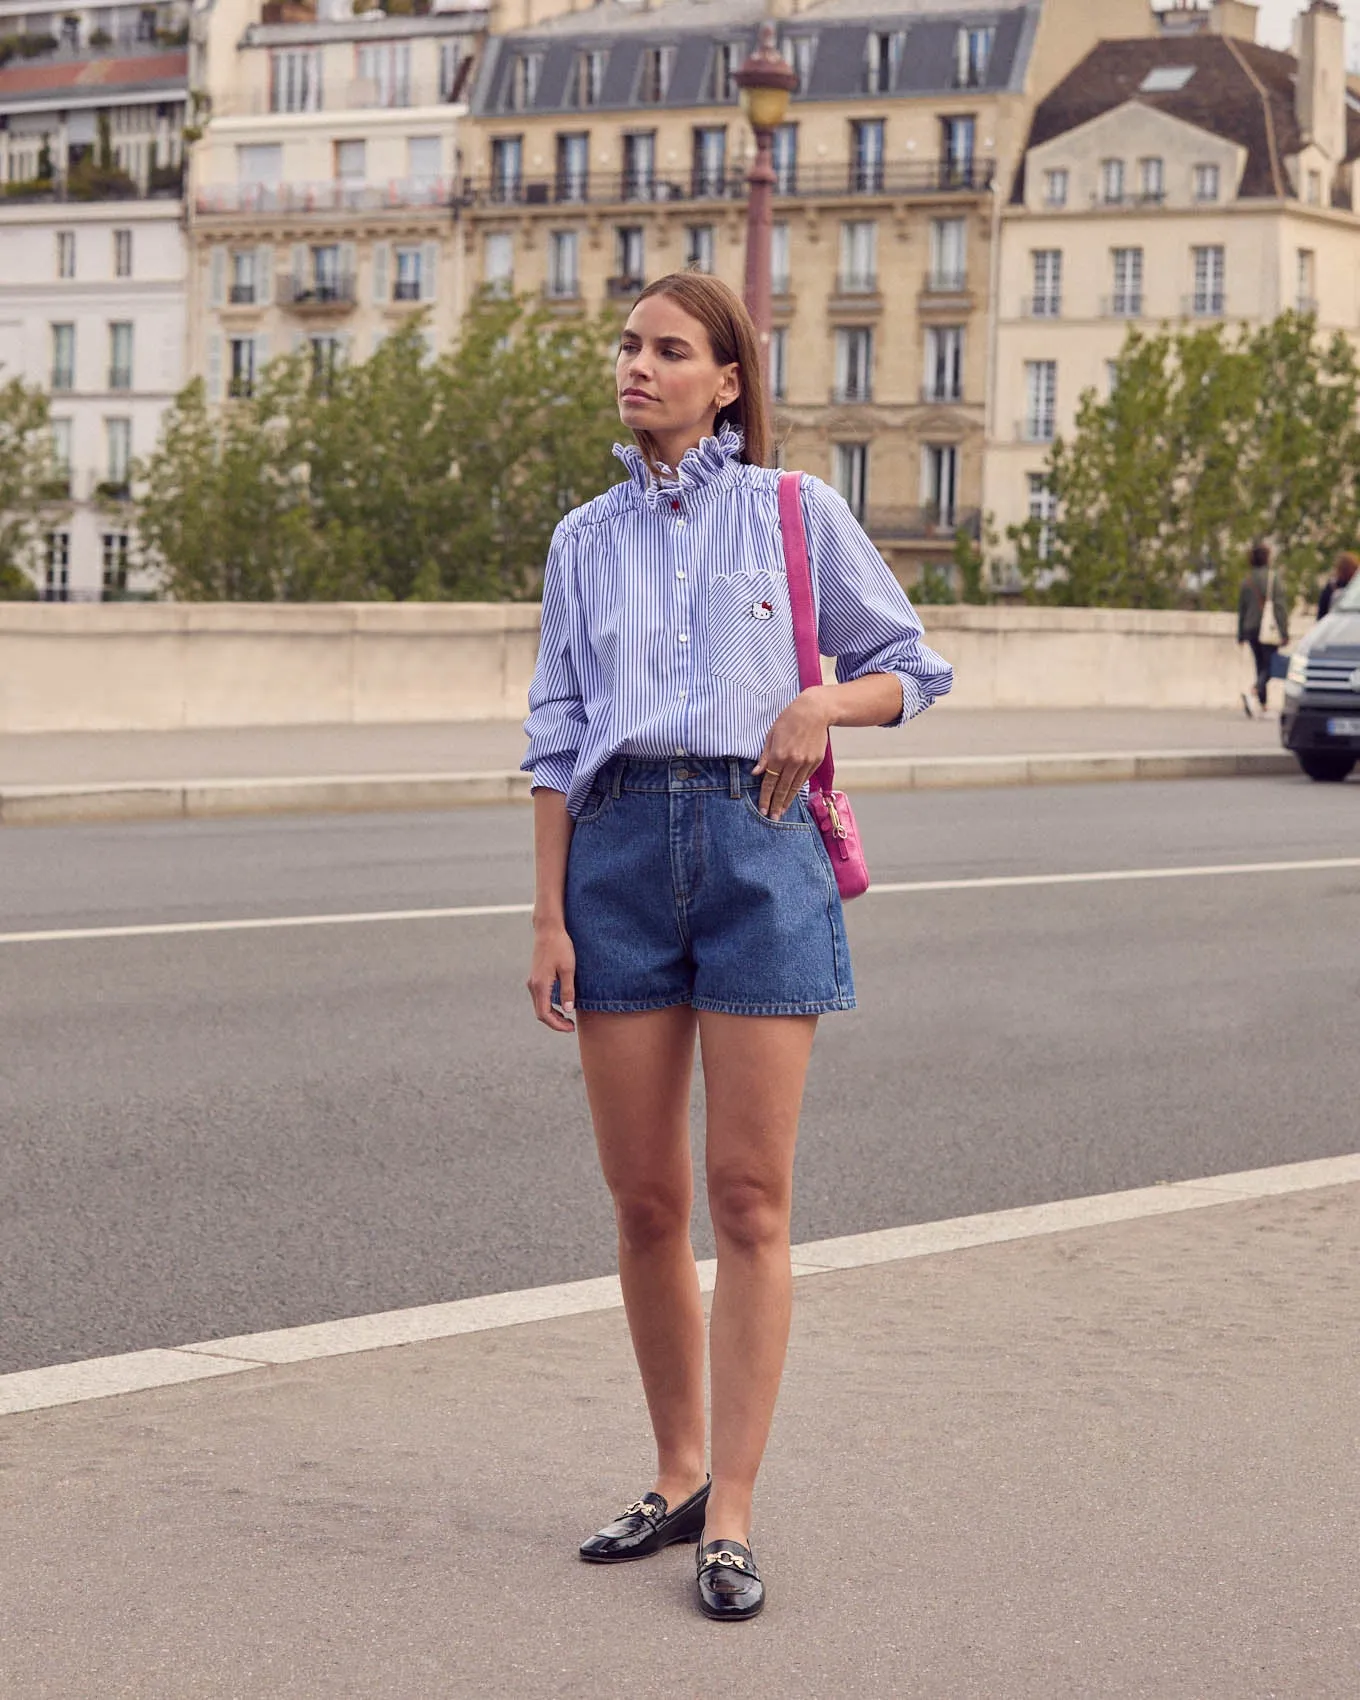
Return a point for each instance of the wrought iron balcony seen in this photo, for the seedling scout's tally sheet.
(323, 294)
(923, 524)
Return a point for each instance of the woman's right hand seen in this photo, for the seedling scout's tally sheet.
(554, 959)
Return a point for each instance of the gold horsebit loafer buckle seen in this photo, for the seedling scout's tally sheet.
(725, 1557)
(645, 1508)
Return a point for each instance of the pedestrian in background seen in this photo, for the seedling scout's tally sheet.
(683, 891)
(1262, 621)
(1342, 573)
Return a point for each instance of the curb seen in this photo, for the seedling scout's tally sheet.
(208, 799)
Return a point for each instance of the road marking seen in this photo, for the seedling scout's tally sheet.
(131, 1372)
(1002, 882)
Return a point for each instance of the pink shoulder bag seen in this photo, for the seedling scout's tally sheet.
(830, 808)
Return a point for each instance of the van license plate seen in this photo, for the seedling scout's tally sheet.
(1343, 728)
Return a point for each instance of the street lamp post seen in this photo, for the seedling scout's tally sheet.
(766, 80)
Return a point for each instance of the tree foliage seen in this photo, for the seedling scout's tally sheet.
(26, 486)
(402, 477)
(1206, 443)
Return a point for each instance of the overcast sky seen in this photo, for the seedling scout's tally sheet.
(1277, 22)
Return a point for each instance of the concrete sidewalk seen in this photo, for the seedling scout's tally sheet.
(57, 777)
(1118, 1461)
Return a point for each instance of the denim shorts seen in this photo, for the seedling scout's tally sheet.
(680, 891)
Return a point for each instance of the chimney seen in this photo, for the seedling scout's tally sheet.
(1320, 86)
(1236, 18)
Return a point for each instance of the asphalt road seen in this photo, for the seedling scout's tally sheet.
(208, 1134)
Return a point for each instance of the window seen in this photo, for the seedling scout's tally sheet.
(801, 51)
(854, 364)
(1167, 79)
(727, 57)
(61, 454)
(453, 57)
(779, 363)
(498, 262)
(385, 74)
(573, 166)
(242, 291)
(656, 74)
(1046, 301)
(851, 475)
(972, 56)
(1209, 273)
(883, 56)
(63, 357)
(116, 549)
(1128, 282)
(859, 257)
(1112, 182)
(948, 255)
(1041, 401)
(1315, 188)
(66, 253)
(507, 166)
(1055, 188)
(1206, 183)
(327, 283)
(780, 281)
(940, 484)
(1306, 294)
(639, 165)
(148, 22)
(122, 253)
(587, 82)
(1152, 179)
(57, 573)
(525, 70)
(260, 164)
(120, 356)
(628, 254)
(351, 161)
(327, 353)
(709, 175)
(407, 285)
(424, 159)
(700, 247)
(295, 79)
(958, 144)
(1043, 507)
(866, 156)
(242, 352)
(563, 277)
(1111, 377)
(118, 446)
(944, 363)
(785, 159)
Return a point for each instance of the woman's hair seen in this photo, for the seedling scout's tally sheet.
(733, 341)
(1260, 554)
(1347, 563)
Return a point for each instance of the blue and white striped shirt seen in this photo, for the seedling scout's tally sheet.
(667, 629)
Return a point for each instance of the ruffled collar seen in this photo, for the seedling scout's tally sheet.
(706, 464)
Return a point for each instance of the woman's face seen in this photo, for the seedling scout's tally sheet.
(668, 381)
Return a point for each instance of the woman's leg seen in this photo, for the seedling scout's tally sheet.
(638, 1070)
(754, 1071)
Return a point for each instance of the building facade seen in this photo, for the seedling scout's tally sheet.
(92, 112)
(606, 148)
(323, 193)
(1194, 179)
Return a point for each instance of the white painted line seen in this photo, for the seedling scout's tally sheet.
(97, 1378)
(998, 883)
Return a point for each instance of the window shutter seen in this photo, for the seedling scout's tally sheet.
(382, 253)
(264, 281)
(300, 266)
(217, 276)
(214, 368)
(429, 271)
(347, 263)
(261, 355)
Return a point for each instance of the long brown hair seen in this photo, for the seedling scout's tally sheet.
(732, 338)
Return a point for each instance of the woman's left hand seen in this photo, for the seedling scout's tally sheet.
(794, 749)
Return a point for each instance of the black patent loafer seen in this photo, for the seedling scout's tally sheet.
(645, 1527)
(730, 1588)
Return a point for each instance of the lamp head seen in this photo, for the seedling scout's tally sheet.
(766, 80)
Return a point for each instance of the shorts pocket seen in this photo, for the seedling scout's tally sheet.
(750, 632)
(597, 804)
(796, 818)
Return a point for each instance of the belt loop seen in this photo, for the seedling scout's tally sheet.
(617, 786)
(734, 779)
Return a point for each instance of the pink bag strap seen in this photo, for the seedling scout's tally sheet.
(798, 571)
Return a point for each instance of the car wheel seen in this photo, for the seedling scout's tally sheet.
(1329, 767)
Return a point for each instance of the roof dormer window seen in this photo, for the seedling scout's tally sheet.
(883, 55)
(656, 75)
(587, 84)
(973, 56)
(722, 69)
(524, 74)
(800, 51)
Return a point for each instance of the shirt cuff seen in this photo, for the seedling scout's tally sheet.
(554, 773)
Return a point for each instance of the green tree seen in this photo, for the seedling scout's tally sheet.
(28, 499)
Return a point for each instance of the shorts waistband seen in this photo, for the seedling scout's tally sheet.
(682, 773)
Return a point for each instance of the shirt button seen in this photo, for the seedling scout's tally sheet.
(679, 751)
(681, 573)
(684, 637)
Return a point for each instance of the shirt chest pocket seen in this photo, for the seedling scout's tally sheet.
(750, 632)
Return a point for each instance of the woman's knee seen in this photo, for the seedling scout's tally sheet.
(650, 1215)
(749, 1211)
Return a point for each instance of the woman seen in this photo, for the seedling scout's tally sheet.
(682, 889)
(1260, 587)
